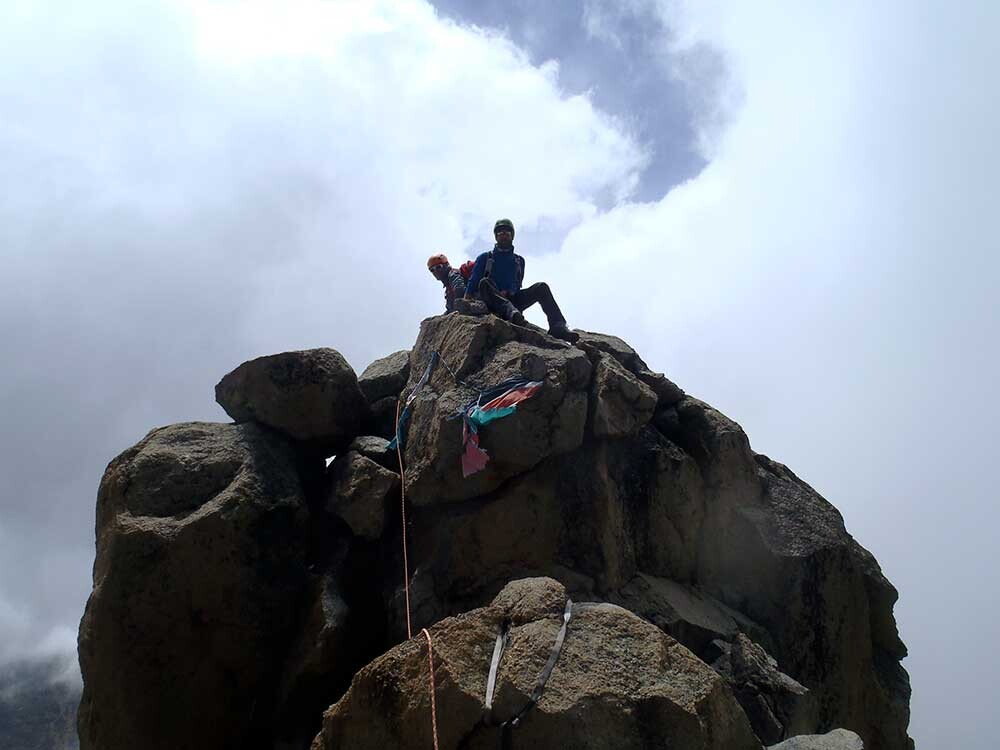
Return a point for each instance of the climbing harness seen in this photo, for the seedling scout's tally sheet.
(518, 265)
(507, 727)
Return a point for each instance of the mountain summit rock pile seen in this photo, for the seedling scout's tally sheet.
(247, 594)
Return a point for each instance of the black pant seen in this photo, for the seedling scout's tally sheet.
(520, 301)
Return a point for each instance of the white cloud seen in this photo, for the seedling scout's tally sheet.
(193, 184)
(830, 281)
(12, 620)
(686, 52)
(24, 637)
(357, 136)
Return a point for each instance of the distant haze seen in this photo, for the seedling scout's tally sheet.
(789, 208)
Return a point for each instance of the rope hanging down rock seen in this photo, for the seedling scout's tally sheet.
(500, 401)
(402, 508)
(397, 442)
(402, 418)
(490, 404)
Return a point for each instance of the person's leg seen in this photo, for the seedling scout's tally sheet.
(541, 294)
(497, 304)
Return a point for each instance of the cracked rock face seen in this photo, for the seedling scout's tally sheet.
(359, 492)
(239, 590)
(776, 704)
(621, 402)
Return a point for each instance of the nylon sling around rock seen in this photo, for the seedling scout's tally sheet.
(507, 727)
(491, 682)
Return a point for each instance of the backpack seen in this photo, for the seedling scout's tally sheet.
(466, 269)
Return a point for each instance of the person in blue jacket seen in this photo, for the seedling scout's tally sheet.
(496, 279)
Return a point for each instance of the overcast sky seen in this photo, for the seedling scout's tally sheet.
(789, 208)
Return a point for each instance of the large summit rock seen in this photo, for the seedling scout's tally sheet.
(312, 396)
(201, 540)
(618, 682)
(237, 594)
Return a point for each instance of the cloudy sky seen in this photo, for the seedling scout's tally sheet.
(789, 208)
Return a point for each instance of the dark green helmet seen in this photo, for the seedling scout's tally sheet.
(504, 223)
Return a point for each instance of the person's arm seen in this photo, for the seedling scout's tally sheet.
(475, 277)
(457, 284)
(519, 263)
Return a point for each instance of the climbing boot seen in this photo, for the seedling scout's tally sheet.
(562, 331)
(517, 318)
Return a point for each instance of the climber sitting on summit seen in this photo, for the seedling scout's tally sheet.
(451, 280)
(496, 279)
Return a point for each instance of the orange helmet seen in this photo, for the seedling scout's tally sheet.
(437, 260)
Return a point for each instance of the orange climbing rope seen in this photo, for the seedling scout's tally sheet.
(430, 661)
(402, 505)
(406, 561)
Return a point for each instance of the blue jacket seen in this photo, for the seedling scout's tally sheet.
(507, 272)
